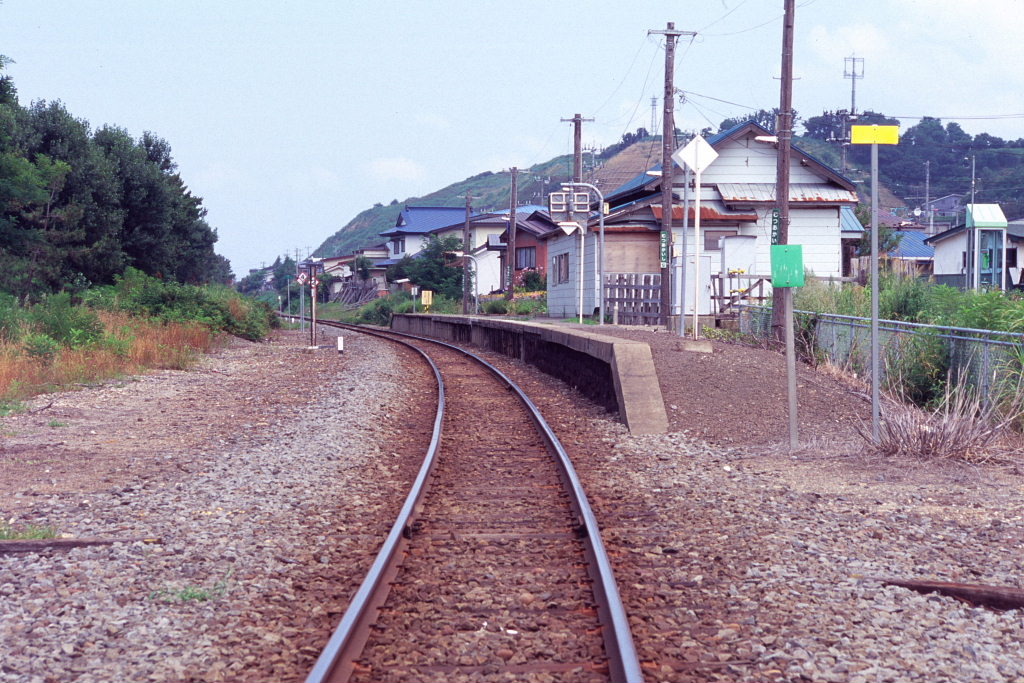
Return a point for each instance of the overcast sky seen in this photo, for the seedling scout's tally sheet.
(290, 117)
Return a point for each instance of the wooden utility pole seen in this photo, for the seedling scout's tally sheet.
(784, 133)
(782, 297)
(510, 249)
(467, 248)
(577, 146)
(667, 148)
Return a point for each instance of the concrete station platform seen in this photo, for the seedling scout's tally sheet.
(617, 373)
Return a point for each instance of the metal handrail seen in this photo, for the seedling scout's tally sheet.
(901, 325)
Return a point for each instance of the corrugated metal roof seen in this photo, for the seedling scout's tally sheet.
(912, 245)
(848, 221)
(801, 193)
(985, 216)
(709, 211)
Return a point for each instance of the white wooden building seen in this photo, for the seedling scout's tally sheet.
(737, 199)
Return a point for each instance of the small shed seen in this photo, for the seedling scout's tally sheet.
(980, 253)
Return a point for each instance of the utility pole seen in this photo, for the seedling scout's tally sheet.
(577, 146)
(667, 139)
(467, 248)
(927, 196)
(510, 249)
(782, 297)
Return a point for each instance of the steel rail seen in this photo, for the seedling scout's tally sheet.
(624, 663)
(337, 659)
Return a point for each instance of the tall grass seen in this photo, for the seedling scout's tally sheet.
(125, 345)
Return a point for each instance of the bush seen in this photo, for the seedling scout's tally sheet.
(220, 308)
(42, 347)
(64, 323)
(496, 307)
(530, 306)
(12, 318)
(534, 281)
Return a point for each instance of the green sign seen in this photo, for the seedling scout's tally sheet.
(775, 226)
(787, 265)
(663, 248)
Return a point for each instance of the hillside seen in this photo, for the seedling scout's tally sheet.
(490, 191)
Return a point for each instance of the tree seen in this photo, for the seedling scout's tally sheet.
(828, 126)
(763, 117)
(430, 269)
(888, 240)
(361, 266)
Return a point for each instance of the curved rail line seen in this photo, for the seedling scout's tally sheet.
(337, 660)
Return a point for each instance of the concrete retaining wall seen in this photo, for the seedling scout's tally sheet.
(616, 373)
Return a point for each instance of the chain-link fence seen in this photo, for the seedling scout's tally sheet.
(917, 356)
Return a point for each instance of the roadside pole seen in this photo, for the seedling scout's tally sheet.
(875, 135)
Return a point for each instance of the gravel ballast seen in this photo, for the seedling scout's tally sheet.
(262, 530)
(736, 562)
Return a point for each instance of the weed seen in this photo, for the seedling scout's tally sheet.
(193, 593)
(11, 408)
(30, 532)
(57, 423)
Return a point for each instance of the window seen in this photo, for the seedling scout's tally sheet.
(399, 244)
(1011, 257)
(526, 257)
(560, 267)
(711, 238)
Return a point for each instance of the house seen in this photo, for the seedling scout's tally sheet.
(414, 225)
(533, 225)
(737, 201)
(950, 206)
(483, 228)
(994, 265)
(350, 268)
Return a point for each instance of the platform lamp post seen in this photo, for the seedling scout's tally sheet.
(476, 278)
(874, 135)
(600, 258)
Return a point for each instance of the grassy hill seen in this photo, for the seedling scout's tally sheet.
(490, 191)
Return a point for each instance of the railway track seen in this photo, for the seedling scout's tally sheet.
(495, 567)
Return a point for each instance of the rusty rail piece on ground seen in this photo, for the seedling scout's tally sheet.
(337, 661)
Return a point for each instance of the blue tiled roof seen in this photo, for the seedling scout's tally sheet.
(912, 245)
(418, 220)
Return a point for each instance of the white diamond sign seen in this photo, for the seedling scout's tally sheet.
(696, 155)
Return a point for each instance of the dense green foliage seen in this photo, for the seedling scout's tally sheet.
(379, 311)
(78, 207)
(218, 306)
(431, 268)
(919, 363)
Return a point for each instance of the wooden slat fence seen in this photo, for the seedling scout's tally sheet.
(633, 298)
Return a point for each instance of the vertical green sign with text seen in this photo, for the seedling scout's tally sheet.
(663, 249)
(775, 226)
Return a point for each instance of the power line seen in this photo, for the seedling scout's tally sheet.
(986, 117)
(709, 97)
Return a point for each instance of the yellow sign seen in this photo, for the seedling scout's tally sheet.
(875, 135)
(427, 298)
